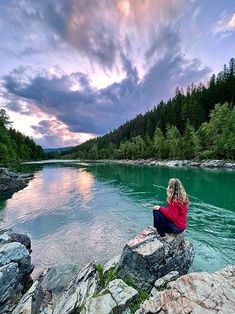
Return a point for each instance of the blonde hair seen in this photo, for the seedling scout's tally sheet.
(176, 191)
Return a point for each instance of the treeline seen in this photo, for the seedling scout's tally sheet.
(188, 125)
(14, 146)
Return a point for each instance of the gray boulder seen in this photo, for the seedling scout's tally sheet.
(162, 282)
(112, 264)
(31, 302)
(9, 281)
(57, 278)
(11, 182)
(7, 236)
(114, 299)
(15, 269)
(102, 304)
(83, 286)
(147, 257)
(196, 293)
(16, 252)
(121, 293)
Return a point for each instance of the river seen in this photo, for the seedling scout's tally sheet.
(77, 212)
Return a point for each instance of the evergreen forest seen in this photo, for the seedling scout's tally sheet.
(198, 122)
(14, 146)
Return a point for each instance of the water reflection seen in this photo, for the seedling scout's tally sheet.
(76, 213)
(85, 183)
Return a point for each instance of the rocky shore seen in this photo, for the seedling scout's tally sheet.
(11, 182)
(149, 276)
(176, 163)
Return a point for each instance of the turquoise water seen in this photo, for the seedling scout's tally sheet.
(81, 212)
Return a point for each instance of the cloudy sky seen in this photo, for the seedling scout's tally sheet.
(74, 69)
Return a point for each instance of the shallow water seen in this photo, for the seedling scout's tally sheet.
(81, 212)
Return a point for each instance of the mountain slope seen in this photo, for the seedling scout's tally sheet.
(184, 120)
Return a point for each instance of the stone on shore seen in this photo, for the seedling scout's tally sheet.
(162, 282)
(121, 293)
(7, 236)
(147, 257)
(17, 253)
(83, 286)
(31, 301)
(15, 269)
(11, 182)
(57, 278)
(112, 264)
(114, 299)
(199, 293)
(102, 304)
(9, 275)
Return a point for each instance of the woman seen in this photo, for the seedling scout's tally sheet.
(172, 219)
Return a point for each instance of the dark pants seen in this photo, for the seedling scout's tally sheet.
(163, 225)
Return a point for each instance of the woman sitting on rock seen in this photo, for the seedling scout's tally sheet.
(172, 219)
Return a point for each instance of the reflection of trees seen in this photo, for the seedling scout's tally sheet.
(26, 168)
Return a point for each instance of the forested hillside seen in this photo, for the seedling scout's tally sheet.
(14, 146)
(197, 122)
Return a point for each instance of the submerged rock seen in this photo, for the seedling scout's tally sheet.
(196, 293)
(148, 257)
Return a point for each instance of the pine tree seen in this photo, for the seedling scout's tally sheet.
(191, 144)
(173, 142)
(159, 144)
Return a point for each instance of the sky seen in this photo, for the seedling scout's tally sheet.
(71, 70)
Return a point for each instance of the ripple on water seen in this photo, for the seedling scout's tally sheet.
(82, 212)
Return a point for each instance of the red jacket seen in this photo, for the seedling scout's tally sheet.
(176, 213)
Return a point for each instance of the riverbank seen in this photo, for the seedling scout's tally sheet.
(11, 181)
(149, 276)
(175, 163)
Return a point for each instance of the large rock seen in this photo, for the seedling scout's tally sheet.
(112, 264)
(31, 301)
(102, 304)
(57, 278)
(83, 286)
(7, 236)
(148, 257)
(9, 281)
(121, 293)
(114, 299)
(161, 283)
(15, 268)
(199, 293)
(17, 253)
(11, 182)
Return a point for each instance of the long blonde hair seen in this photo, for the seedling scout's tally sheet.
(176, 192)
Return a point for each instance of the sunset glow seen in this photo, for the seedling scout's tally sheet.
(73, 70)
